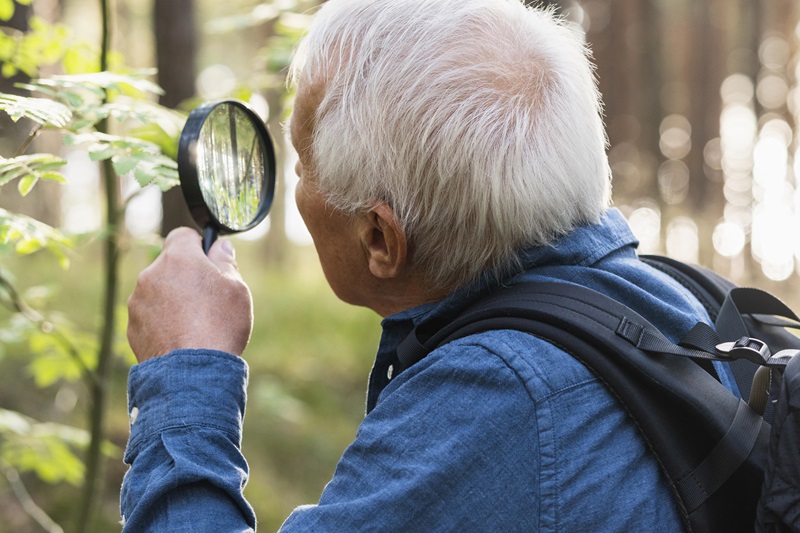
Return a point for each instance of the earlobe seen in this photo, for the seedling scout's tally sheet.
(385, 242)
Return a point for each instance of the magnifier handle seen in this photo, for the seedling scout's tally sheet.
(209, 236)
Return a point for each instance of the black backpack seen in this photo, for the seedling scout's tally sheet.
(712, 446)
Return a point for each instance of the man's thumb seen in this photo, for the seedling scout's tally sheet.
(223, 255)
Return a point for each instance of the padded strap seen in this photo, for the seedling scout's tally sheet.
(724, 459)
(749, 301)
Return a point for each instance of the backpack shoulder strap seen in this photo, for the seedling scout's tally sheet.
(711, 457)
(780, 495)
(737, 312)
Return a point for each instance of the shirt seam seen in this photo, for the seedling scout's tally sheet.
(544, 434)
(545, 423)
(140, 440)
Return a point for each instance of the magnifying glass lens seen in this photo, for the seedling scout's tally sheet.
(231, 166)
(226, 162)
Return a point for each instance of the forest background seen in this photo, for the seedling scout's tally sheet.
(701, 102)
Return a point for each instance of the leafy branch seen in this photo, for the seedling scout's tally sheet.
(28, 235)
(129, 154)
(42, 447)
(41, 110)
(46, 448)
(30, 169)
(12, 299)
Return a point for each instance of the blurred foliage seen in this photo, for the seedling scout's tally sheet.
(28, 235)
(45, 448)
(29, 169)
(8, 7)
(83, 106)
(44, 44)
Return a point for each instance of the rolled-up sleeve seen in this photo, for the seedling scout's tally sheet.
(187, 472)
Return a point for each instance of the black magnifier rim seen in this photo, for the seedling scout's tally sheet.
(190, 178)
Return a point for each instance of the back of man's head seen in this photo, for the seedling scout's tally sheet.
(477, 121)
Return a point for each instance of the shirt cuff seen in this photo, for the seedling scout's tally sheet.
(186, 388)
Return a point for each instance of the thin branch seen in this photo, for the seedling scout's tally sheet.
(93, 478)
(29, 139)
(137, 193)
(27, 503)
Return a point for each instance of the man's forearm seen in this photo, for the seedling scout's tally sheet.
(186, 467)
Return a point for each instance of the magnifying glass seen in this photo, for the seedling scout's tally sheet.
(226, 164)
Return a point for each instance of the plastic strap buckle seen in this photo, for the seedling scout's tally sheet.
(746, 348)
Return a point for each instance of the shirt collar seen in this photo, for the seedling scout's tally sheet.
(582, 247)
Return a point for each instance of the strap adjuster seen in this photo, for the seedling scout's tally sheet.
(748, 348)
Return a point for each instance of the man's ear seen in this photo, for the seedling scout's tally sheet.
(384, 241)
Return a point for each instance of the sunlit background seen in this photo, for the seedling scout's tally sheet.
(701, 101)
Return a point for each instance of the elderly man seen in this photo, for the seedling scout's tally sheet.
(446, 147)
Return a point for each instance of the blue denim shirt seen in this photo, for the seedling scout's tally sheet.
(495, 432)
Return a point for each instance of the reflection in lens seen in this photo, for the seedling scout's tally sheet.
(231, 166)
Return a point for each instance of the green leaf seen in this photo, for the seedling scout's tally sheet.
(9, 69)
(30, 168)
(72, 99)
(49, 369)
(9, 173)
(123, 108)
(41, 110)
(62, 357)
(26, 184)
(109, 81)
(154, 133)
(7, 46)
(53, 176)
(28, 246)
(100, 151)
(79, 58)
(63, 259)
(27, 235)
(123, 165)
(144, 176)
(6, 9)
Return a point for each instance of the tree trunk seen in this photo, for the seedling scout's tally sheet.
(707, 73)
(648, 86)
(176, 51)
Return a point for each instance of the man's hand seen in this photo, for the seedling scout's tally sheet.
(187, 300)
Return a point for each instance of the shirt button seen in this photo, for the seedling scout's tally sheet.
(390, 372)
(134, 415)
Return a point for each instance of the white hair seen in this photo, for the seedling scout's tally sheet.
(478, 121)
